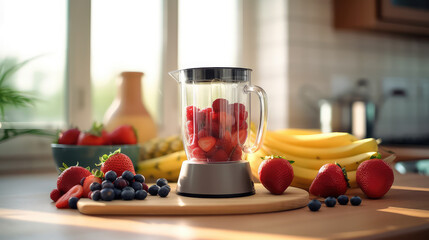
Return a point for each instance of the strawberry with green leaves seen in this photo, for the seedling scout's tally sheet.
(117, 162)
(276, 174)
(71, 176)
(95, 136)
(331, 181)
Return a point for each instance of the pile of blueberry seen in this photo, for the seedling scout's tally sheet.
(314, 205)
(125, 187)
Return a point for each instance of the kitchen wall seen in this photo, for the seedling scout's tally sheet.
(322, 62)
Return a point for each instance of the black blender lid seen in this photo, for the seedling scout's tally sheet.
(206, 74)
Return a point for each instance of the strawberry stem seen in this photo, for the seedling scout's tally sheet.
(105, 157)
(343, 169)
(377, 155)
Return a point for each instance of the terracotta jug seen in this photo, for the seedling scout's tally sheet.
(128, 108)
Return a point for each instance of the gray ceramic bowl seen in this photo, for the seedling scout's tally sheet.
(88, 156)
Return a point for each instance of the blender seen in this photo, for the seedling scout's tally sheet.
(215, 104)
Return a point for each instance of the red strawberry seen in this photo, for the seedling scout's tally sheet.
(193, 141)
(276, 174)
(75, 191)
(226, 120)
(117, 162)
(236, 154)
(124, 134)
(55, 195)
(219, 156)
(191, 112)
(106, 137)
(374, 177)
(207, 143)
(203, 133)
(145, 187)
(69, 136)
(71, 176)
(87, 182)
(239, 137)
(190, 127)
(198, 154)
(93, 136)
(331, 181)
(220, 105)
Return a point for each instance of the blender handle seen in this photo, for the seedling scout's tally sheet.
(263, 114)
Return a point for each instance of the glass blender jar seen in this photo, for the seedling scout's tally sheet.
(215, 105)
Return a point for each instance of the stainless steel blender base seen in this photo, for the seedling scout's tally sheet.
(215, 180)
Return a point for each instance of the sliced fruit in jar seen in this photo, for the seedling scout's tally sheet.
(192, 141)
(207, 143)
(220, 105)
(198, 154)
(239, 137)
(236, 154)
(191, 112)
(190, 128)
(219, 156)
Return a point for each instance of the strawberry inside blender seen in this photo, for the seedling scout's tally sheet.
(216, 133)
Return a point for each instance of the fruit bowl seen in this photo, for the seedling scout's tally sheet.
(88, 156)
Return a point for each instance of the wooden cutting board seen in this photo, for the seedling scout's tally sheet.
(175, 204)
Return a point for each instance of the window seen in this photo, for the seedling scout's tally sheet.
(35, 31)
(125, 36)
(210, 33)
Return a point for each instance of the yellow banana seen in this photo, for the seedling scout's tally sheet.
(356, 147)
(350, 163)
(167, 166)
(323, 140)
(164, 163)
(298, 131)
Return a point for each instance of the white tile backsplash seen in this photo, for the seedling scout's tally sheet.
(331, 60)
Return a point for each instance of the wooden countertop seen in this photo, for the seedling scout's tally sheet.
(26, 212)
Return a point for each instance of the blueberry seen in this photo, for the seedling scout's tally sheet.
(330, 201)
(139, 178)
(117, 193)
(161, 182)
(128, 189)
(95, 186)
(128, 194)
(96, 195)
(163, 191)
(168, 186)
(73, 202)
(127, 175)
(314, 205)
(153, 190)
(355, 201)
(111, 176)
(343, 200)
(141, 194)
(82, 181)
(107, 194)
(137, 186)
(120, 183)
(107, 184)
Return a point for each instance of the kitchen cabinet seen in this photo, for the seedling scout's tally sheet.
(398, 16)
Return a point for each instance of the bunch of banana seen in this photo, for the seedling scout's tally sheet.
(158, 147)
(167, 166)
(311, 150)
